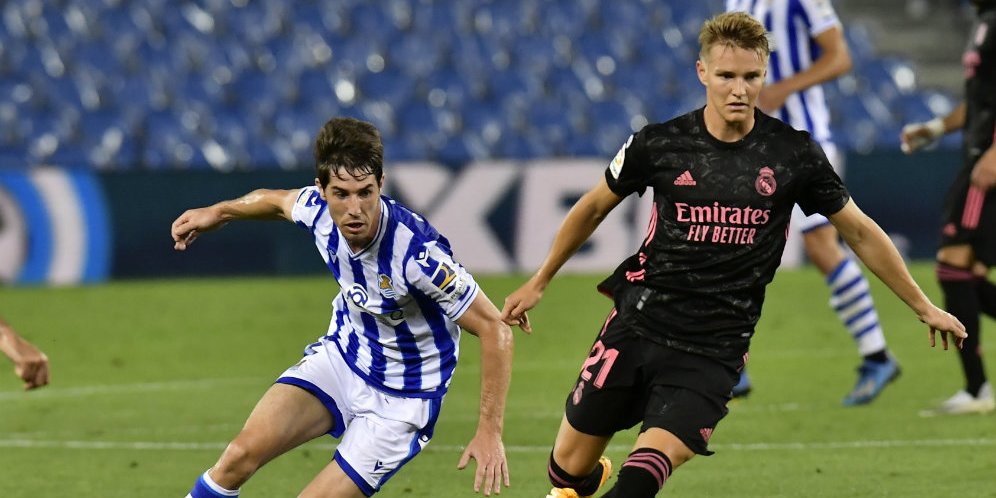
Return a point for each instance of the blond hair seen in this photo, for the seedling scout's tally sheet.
(734, 29)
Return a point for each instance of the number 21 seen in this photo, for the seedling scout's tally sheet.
(599, 353)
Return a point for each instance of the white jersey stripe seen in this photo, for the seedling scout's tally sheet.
(394, 318)
(793, 25)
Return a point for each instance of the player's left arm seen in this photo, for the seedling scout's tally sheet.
(834, 61)
(877, 251)
(483, 320)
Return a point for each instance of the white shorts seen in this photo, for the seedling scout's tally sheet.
(380, 432)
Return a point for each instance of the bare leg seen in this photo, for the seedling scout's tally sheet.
(577, 452)
(332, 482)
(823, 248)
(285, 417)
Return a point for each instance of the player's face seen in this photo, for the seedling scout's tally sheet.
(733, 78)
(354, 203)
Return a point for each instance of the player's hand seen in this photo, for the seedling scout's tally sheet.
(30, 365)
(916, 136)
(944, 323)
(518, 303)
(191, 224)
(492, 467)
(984, 171)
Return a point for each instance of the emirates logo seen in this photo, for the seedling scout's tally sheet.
(765, 183)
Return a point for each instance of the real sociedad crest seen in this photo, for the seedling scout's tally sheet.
(765, 183)
(54, 227)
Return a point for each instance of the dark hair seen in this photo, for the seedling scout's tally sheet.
(734, 29)
(351, 146)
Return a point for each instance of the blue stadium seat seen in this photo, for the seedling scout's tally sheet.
(388, 86)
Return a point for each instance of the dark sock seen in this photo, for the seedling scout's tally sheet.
(878, 357)
(585, 486)
(987, 296)
(961, 299)
(642, 475)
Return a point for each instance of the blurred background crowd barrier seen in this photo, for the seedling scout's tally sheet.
(116, 115)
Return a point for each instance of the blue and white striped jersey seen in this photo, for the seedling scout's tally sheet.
(793, 26)
(394, 317)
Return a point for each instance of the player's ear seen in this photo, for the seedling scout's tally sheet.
(321, 191)
(700, 69)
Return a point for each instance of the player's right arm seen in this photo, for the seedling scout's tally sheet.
(918, 135)
(261, 204)
(577, 227)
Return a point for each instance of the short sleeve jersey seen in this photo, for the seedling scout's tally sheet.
(793, 26)
(721, 213)
(980, 79)
(393, 319)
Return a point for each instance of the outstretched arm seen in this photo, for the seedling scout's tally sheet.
(259, 204)
(482, 319)
(580, 223)
(876, 250)
(833, 62)
(30, 364)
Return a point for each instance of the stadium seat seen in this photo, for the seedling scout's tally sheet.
(480, 79)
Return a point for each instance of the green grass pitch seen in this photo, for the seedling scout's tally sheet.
(150, 379)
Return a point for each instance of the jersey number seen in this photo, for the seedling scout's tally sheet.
(599, 354)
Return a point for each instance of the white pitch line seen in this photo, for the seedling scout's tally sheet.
(217, 446)
(50, 392)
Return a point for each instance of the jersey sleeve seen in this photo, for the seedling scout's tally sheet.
(819, 15)
(823, 191)
(627, 173)
(308, 207)
(436, 274)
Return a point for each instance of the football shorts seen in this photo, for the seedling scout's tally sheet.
(379, 432)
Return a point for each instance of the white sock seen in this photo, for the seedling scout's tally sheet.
(851, 299)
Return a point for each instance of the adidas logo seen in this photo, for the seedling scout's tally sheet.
(685, 179)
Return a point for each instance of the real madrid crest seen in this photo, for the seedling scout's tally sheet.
(765, 183)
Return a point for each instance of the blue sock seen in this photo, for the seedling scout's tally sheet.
(205, 487)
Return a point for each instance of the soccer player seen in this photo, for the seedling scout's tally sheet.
(30, 364)
(968, 236)
(377, 378)
(725, 178)
(809, 49)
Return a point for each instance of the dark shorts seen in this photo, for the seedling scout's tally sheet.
(970, 218)
(628, 379)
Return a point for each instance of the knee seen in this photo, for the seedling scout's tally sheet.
(237, 464)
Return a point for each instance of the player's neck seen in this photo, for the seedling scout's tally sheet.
(726, 130)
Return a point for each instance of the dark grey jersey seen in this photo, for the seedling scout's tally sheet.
(980, 79)
(721, 214)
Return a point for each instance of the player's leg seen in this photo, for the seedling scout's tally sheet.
(284, 418)
(576, 466)
(655, 455)
(332, 481)
(385, 433)
(851, 300)
(959, 284)
(608, 397)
